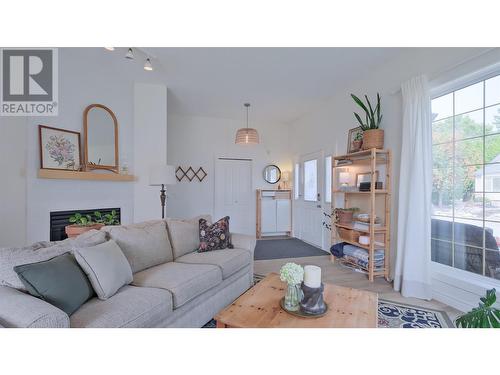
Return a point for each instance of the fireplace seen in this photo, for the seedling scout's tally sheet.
(59, 219)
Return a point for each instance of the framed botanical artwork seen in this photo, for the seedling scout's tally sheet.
(59, 148)
(354, 140)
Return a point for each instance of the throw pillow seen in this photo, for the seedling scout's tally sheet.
(59, 281)
(106, 267)
(15, 256)
(185, 234)
(215, 236)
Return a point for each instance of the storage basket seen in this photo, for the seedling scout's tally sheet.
(348, 234)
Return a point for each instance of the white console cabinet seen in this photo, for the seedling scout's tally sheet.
(274, 212)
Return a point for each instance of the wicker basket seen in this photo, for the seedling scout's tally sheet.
(343, 216)
(348, 234)
(373, 138)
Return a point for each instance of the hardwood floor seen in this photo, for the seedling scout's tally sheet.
(337, 274)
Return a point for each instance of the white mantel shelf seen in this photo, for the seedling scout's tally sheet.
(73, 175)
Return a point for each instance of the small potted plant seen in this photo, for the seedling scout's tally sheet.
(81, 224)
(106, 219)
(373, 136)
(344, 215)
(293, 275)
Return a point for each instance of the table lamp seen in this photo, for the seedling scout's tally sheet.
(161, 175)
(285, 176)
(344, 178)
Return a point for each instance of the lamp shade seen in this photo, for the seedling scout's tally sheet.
(344, 178)
(162, 175)
(247, 136)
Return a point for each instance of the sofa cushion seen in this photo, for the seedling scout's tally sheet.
(184, 281)
(185, 234)
(40, 251)
(144, 244)
(59, 281)
(229, 261)
(106, 267)
(130, 307)
(214, 236)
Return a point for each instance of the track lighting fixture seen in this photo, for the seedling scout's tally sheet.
(147, 65)
(130, 54)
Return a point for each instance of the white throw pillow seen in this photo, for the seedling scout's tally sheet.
(106, 267)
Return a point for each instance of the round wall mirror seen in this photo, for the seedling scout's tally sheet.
(101, 138)
(272, 174)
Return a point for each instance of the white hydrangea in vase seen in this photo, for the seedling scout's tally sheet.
(293, 275)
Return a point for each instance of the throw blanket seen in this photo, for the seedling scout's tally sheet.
(360, 256)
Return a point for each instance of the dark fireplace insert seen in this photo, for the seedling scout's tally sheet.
(59, 219)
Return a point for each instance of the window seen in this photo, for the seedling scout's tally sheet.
(328, 179)
(466, 178)
(311, 180)
(296, 181)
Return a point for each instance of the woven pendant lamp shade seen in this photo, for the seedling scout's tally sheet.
(246, 136)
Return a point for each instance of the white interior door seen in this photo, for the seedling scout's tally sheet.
(310, 202)
(233, 194)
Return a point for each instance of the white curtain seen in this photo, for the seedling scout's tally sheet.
(413, 257)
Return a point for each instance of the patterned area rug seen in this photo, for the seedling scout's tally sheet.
(397, 315)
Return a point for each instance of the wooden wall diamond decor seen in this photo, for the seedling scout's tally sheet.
(179, 173)
(201, 172)
(190, 174)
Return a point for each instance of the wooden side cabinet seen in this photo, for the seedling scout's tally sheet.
(274, 212)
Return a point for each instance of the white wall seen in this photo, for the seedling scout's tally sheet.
(86, 76)
(198, 141)
(150, 146)
(13, 181)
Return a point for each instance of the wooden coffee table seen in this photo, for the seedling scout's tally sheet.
(259, 307)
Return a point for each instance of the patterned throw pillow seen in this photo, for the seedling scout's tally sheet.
(215, 236)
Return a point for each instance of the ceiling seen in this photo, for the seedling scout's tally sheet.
(280, 83)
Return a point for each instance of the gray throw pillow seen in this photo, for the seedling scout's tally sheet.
(59, 281)
(106, 267)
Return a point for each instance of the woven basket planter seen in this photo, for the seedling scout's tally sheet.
(343, 217)
(75, 230)
(348, 234)
(373, 138)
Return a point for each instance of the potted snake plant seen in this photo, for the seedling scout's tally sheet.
(373, 136)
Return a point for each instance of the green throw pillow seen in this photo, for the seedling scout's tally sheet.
(59, 281)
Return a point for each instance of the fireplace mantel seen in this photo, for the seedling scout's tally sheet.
(73, 175)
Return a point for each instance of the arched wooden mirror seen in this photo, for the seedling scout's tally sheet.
(100, 129)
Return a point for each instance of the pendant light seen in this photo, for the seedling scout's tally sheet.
(247, 135)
